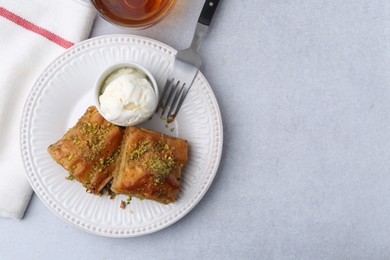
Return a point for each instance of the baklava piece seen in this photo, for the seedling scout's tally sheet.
(88, 151)
(150, 165)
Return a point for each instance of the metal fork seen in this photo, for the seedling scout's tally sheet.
(185, 67)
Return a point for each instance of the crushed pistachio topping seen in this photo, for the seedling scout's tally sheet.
(160, 165)
(128, 200)
(161, 168)
(96, 142)
(70, 177)
(95, 139)
(103, 163)
(75, 140)
(140, 150)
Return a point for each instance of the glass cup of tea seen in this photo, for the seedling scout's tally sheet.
(134, 13)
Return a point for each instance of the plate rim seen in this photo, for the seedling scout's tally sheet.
(27, 156)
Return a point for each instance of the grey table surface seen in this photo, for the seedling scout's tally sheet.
(304, 91)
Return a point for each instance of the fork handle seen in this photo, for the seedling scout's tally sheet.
(208, 11)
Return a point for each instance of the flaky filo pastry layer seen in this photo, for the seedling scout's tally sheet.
(150, 165)
(89, 150)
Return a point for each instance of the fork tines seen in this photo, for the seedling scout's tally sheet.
(172, 98)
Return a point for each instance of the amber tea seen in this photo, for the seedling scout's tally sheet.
(133, 13)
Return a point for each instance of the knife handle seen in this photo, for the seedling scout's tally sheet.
(208, 11)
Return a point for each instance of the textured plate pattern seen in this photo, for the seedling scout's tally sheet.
(62, 94)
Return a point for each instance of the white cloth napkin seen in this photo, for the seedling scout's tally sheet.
(33, 33)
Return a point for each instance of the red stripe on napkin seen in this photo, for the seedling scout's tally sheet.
(35, 28)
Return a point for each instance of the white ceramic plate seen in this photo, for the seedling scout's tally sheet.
(62, 94)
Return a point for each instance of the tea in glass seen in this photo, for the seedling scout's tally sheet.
(133, 13)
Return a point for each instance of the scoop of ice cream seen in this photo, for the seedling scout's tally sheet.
(127, 97)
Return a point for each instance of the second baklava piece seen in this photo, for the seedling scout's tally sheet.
(149, 165)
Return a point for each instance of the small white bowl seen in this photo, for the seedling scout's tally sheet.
(107, 72)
